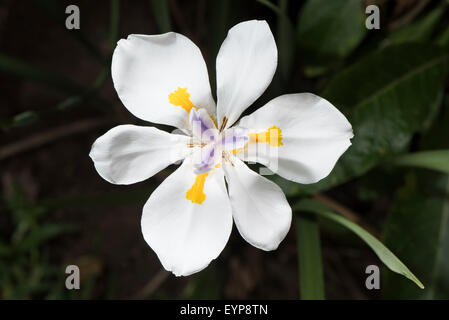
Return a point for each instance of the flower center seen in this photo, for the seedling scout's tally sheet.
(215, 146)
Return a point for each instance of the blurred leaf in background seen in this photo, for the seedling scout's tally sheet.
(387, 97)
(385, 255)
(390, 83)
(161, 13)
(420, 30)
(25, 269)
(418, 224)
(328, 31)
(311, 279)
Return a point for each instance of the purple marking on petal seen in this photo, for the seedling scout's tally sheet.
(207, 161)
(202, 125)
(199, 121)
(234, 138)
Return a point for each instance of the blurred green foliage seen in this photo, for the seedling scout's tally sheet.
(328, 31)
(384, 254)
(390, 83)
(418, 225)
(25, 268)
(310, 264)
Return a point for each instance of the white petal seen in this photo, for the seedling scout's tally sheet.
(147, 69)
(314, 135)
(187, 236)
(128, 154)
(246, 64)
(259, 207)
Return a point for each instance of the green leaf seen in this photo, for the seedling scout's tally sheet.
(435, 160)
(284, 35)
(418, 230)
(40, 235)
(271, 5)
(418, 224)
(387, 96)
(384, 254)
(329, 30)
(311, 284)
(420, 30)
(443, 38)
(161, 12)
(4, 249)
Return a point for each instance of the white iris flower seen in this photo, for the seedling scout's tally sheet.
(188, 219)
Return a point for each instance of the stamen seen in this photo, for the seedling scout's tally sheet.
(196, 144)
(223, 124)
(225, 157)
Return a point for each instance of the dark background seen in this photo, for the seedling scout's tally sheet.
(57, 97)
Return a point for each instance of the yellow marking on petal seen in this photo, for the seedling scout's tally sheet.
(181, 98)
(235, 151)
(196, 193)
(273, 136)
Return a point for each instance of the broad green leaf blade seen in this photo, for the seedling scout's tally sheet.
(418, 224)
(285, 39)
(4, 250)
(311, 283)
(443, 37)
(161, 12)
(329, 30)
(420, 30)
(387, 97)
(418, 230)
(284, 35)
(395, 70)
(436, 160)
(384, 254)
